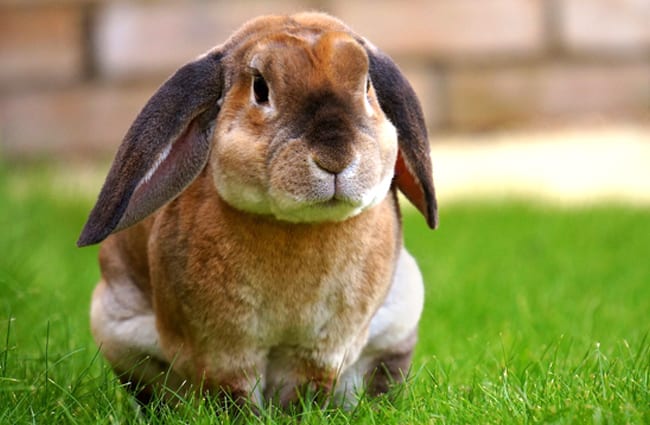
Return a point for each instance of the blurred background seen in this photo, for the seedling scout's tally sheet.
(519, 95)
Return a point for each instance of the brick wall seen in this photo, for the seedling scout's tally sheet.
(74, 73)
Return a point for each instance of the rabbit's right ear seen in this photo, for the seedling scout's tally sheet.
(166, 147)
(400, 104)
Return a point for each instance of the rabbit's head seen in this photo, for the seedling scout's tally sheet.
(298, 118)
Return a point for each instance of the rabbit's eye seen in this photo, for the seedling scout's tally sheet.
(367, 85)
(260, 90)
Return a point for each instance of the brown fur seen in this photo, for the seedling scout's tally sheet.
(232, 264)
(265, 268)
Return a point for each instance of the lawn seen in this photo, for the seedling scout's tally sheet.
(534, 314)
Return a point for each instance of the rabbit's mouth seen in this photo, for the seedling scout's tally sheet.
(330, 198)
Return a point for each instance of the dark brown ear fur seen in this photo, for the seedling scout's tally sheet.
(166, 147)
(413, 173)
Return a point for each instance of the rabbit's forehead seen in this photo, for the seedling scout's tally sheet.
(331, 53)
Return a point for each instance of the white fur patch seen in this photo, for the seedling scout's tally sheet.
(337, 211)
(370, 111)
(243, 196)
(156, 164)
(123, 322)
(400, 313)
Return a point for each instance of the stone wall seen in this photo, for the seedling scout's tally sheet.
(74, 73)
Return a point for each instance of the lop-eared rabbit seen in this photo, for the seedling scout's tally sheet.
(251, 232)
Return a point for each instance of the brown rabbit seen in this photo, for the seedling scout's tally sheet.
(255, 243)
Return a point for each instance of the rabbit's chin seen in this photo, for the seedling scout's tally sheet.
(332, 210)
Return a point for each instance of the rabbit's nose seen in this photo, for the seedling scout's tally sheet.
(333, 164)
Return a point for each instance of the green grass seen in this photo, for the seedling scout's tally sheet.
(534, 314)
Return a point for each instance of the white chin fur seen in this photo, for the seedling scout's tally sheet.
(242, 196)
(328, 211)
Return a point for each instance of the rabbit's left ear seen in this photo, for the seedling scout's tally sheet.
(397, 99)
(165, 149)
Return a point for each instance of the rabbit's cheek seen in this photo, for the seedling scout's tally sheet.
(239, 171)
(364, 187)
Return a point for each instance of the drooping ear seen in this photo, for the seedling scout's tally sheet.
(165, 149)
(397, 99)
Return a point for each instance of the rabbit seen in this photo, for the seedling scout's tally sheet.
(252, 244)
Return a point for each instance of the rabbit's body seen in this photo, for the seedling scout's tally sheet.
(280, 266)
(279, 305)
